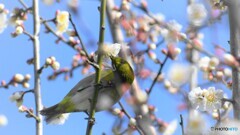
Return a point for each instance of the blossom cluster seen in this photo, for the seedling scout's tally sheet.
(206, 99)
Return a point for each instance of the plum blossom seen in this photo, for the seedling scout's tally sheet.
(60, 120)
(3, 120)
(197, 13)
(196, 123)
(62, 20)
(171, 35)
(3, 18)
(206, 63)
(111, 50)
(17, 97)
(179, 74)
(206, 99)
(171, 128)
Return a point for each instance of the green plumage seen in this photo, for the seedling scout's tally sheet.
(79, 98)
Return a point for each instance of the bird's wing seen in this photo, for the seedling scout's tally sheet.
(89, 81)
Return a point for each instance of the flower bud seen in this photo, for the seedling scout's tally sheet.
(226, 105)
(152, 55)
(27, 77)
(182, 36)
(173, 90)
(215, 115)
(229, 59)
(22, 108)
(48, 61)
(142, 97)
(167, 84)
(132, 122)
(227, 72)
(52, 58)
(26, 85)
(116, 111)
(214, 62)
(144, 109)
(18, 78)
(19, 30)
(152, 46)
(55, 65)
(3, 83)
(219, 74)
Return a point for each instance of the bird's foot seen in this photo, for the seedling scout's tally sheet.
(90, 120)
(101, 85)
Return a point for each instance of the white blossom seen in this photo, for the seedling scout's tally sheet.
(196, 98)
(159, 17)
(111, 50)
(197, 13)
(17, 97)
(3, 120)
(213, 99)
(60, 119)
(206, 99)
(62, 20)
(3, 19)
(203, 63)
(196, 123)
(171, 128)
(171, 34)
(179, 74)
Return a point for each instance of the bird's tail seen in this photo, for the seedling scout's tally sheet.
(53, 115)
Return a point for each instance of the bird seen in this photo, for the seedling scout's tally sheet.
(114, 82)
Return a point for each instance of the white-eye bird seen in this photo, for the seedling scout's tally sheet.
(114, 82)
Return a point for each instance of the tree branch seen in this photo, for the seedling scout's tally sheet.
(98, 70)
(234, 22)
(159, 73)
(36, 51)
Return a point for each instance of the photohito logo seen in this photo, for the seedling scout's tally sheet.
(224, 129)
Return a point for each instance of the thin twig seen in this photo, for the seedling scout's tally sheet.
(186, 40)
(181, 124)
(28, 34)
(123, 109)
(78, 36)
(129, 117)
(159, 73)
(23, 4)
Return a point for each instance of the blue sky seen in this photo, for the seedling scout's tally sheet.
(15, 51)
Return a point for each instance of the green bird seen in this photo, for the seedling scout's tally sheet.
(113, 84)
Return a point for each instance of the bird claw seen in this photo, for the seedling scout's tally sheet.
(90, 120)
(101, 85)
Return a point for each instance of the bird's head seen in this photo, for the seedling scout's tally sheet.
(123, 68)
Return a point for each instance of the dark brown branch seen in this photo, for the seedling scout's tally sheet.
(158, 74)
